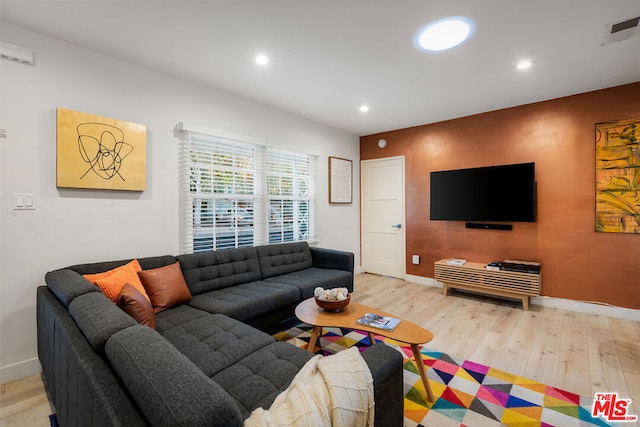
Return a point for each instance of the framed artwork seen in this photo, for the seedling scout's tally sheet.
(618, 176)
(96, 152)
(340, 180)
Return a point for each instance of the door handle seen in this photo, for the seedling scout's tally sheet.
(398, 226)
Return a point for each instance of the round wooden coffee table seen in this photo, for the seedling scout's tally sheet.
(407, 332)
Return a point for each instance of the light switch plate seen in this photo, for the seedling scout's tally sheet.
(415, 259)
(24, 201)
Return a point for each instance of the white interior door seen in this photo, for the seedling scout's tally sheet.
(383, 235)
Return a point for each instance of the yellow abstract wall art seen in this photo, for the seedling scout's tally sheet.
(618, 176)
(96, 152)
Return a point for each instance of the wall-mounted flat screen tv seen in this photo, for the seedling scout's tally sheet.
(505, 193)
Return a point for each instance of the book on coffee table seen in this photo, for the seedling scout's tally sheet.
(377, 321)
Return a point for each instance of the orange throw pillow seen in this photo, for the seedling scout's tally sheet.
(111, 282)
(165, 286)
(132, 302)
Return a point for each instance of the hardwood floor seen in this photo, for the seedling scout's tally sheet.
(24, 403)
(581, 353)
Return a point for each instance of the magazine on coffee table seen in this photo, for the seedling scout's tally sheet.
(377, 321)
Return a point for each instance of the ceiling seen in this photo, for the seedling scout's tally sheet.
(329, 57)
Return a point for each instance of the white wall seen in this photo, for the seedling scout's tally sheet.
(76, 226)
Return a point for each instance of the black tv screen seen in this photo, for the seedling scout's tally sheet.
(505, 193)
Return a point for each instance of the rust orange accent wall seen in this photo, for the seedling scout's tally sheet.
(559, 136)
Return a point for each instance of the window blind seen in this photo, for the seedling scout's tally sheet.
(290, 195)
(235, 193)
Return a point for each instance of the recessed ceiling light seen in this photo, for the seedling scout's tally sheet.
(445, 33)
(364, 108)
(262, 60)
(523, 65)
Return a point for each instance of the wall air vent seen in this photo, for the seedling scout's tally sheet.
(15, 53)
(618, 31)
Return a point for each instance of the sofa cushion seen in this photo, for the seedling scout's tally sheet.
(67, 285)
(284, 258)
(165, 286)
(98, 318)
(167, 387)
(383, 362)
(248, 300)
(145, 263)
(132, 302)
(308, 279)
(212, 342)
(209, 271)
(177, 316)
(84, 390)
(112, 281)
(256, 380)
(332, 258)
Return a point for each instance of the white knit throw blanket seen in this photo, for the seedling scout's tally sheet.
(328, 391)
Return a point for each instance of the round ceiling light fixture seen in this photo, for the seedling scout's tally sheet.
(524, 64)
(445, 33)
(364, 108)
(262, 60)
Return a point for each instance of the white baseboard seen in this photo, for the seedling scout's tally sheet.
(20, 370)
(562, 303)
(588, 307)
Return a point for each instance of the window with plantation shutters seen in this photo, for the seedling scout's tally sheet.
(238, 191)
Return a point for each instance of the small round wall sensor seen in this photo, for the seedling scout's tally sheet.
(382, 143)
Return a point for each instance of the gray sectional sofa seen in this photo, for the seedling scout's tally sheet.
(207, 362)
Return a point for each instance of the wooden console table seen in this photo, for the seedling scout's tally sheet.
(473, 276)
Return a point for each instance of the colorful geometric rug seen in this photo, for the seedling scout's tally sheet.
(467, 394)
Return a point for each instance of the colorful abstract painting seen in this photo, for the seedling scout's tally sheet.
(618, 176)
(100, 153)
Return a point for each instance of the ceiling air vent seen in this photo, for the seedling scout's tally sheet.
(618, 31)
